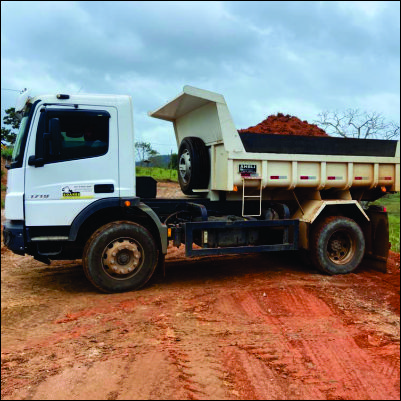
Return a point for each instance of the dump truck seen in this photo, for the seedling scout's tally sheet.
(72, 191)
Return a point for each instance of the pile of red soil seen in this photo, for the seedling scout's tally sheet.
(285, 125)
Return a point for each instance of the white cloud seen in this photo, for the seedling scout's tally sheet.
(296, 57)
(361, 9)
(386, 103)
(160, 134)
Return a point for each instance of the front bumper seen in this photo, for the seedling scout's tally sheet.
(14, 238)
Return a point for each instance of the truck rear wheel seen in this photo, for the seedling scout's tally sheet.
(193, 165)
(120, 256)
(337, 245)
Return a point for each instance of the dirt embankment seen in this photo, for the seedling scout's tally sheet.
(3, 179)
(231, 327)
(285, 125)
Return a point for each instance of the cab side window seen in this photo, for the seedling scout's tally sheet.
(83, 134)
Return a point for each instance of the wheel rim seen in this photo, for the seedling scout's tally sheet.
(184, 166)
(122, 258)
(341, 247)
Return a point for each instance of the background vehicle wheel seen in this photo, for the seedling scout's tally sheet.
(193, 165)
(120, 256)
(337, 245)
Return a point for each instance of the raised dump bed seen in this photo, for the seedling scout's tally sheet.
(366, 167)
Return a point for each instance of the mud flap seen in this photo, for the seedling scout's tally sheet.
(377, 239)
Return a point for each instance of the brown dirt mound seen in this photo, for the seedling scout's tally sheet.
(285, 125)
(3, 179)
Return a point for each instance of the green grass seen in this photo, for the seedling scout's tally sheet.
(7, 152)
(392, 203)
(159, 174)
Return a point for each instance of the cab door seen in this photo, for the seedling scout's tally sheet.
(79, 166)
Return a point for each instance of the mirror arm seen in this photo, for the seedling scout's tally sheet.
(37, 162)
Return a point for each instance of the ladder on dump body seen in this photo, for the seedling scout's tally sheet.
(250, 178)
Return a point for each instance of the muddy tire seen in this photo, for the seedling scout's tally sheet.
(120, 256)
(193, 165)
(337, 245)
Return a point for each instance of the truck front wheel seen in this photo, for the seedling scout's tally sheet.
(337, 245)
(120, 256)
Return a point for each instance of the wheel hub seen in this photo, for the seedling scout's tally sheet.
(184, 166)
(340, 247)
(122, 256)
(336, 245)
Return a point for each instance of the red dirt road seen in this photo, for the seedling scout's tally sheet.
(237, 327)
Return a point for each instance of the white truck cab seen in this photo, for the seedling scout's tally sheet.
(92, 158)
(73, 159)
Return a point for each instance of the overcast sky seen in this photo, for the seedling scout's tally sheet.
(298, 58)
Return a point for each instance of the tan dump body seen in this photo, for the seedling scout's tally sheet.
(204, 114)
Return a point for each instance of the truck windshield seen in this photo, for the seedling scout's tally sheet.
(21, 137)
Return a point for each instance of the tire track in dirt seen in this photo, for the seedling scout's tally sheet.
(312, 347)
(269, 363)
(198, 371)
(149, 375)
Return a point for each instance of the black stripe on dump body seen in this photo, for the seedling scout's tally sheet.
(291, 144)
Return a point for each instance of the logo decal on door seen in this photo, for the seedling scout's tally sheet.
(82, 191)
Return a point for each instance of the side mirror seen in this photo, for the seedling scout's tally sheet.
(36, 161)
(47, 145)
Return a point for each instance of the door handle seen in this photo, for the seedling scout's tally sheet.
(104, 188)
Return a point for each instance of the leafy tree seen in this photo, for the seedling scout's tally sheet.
(156, 161)
(144, 151)
(173, 164)
(8, 135)
(354, 123)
